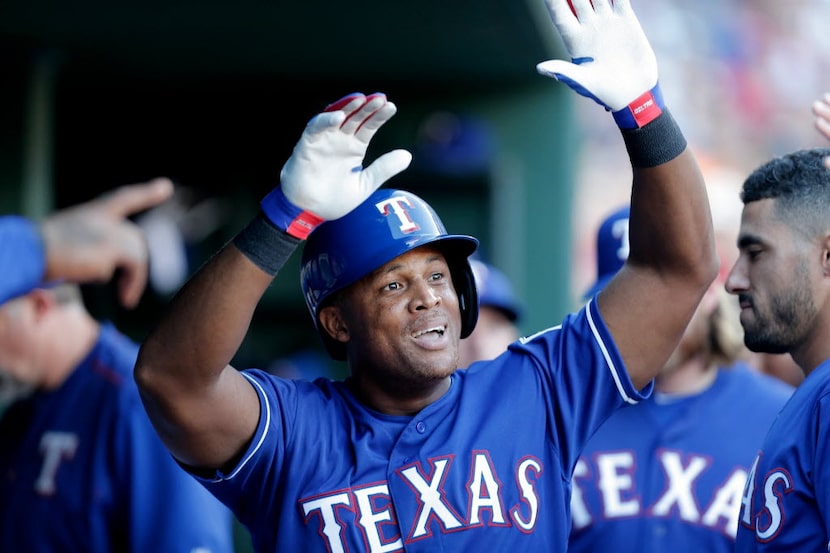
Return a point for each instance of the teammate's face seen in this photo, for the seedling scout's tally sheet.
(401, 323)
(774, 281)
(493, 333)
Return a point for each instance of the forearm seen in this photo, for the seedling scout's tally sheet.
(667, 180)
(208, 319)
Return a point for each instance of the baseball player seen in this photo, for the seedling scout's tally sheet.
(82, 468)
(499, 310)
(408, 453)
(668, 473)
(781, 280)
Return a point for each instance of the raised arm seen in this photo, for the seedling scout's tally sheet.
(672, 257)
(204, 409)
(89, 242)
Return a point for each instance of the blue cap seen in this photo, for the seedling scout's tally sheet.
(612, 248)
(495, 290)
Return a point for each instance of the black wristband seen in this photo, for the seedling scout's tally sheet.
(265, 245)
(655, 144)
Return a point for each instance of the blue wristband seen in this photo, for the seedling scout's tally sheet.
(642, 111)
(287, 216)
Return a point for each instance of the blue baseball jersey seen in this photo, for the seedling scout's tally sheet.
(485, 468)
(786, 504)
(22, 248)
(82, 469)
(668, 474)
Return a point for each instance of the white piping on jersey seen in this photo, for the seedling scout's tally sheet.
(611, 367)
(247, 458)
(614, 373)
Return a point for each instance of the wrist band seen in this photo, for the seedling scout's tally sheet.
(658, 142)
(265, 245)
(287, 216)
(642, 111)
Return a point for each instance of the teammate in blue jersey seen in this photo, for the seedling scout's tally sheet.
(668, 473)
(499, 312)
(82, 468)
(782, 282)
(409, 453)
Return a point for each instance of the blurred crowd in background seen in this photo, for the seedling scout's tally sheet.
(740, 76)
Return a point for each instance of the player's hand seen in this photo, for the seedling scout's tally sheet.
(324, 178)
(821, 109)
(91, 241)
(612, 61)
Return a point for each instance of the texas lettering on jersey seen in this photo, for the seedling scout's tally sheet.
(765, 520)
(675, 493)
(371, 509)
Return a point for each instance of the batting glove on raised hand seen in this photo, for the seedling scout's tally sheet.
(324, 178)
(612, 61)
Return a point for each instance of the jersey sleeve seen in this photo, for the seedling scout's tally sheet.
(21, 247)
(585, 377)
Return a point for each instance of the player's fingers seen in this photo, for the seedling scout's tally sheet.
(131, 285)
(132, 264)
(322, 122)
(564, 15)
(605, 6)
(375, 121)
(583, 9)
(355, 120)
(134, 198)
(347, 103)
(823, 125)
(821, 109)
(384, 168)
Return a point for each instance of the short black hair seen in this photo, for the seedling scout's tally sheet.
(800, 184)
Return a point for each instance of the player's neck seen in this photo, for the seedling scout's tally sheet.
(74, 336)
(691, 378)
(396, 402)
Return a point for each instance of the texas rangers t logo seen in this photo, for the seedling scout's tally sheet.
(398, 205)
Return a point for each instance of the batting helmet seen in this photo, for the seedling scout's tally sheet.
(387, 224)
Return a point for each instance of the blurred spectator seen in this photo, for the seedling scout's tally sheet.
(498, 316)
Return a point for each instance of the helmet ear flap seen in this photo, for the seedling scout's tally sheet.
(465, 287)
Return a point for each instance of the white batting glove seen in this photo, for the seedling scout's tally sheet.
(612, 61)
(324, 178)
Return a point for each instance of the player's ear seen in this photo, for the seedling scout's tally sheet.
(331, 319)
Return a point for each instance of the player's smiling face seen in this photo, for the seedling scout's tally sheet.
(773, 282)
(402, 322)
